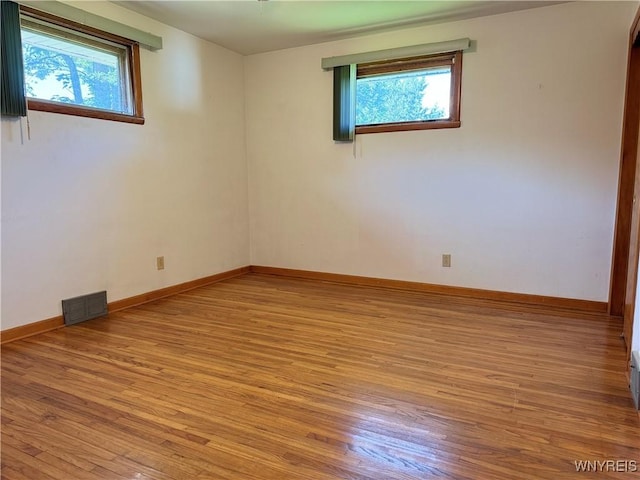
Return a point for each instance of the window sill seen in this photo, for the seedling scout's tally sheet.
(44, 106)
(401, 127)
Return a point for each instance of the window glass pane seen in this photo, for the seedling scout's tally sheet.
(403, 97)
(74, 71)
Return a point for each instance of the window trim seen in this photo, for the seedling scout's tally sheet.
(133, 54)
(453, 59)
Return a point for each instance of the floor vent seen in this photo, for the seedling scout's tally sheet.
(635, 378)
(86, 307)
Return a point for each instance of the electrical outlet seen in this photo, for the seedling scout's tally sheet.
(160, 263)
(446, 260)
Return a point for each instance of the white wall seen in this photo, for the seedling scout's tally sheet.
(523, 195)
(635, 334)
(88, 204)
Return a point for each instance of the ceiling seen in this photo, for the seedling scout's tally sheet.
(252, 26)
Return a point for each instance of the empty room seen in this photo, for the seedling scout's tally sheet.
(350, 239)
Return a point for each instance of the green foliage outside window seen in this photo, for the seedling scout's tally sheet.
(394, 98)
(84, 82)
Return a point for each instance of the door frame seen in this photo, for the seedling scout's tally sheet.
(626, 253)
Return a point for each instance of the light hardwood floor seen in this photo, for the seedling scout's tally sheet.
(265, 377)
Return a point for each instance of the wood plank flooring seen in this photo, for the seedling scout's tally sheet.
(263, 377)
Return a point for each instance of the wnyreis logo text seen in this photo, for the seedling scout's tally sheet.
(619, 466)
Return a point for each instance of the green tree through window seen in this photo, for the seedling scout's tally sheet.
(394, 98)
(413, 93)
(75, 80)
(75, 69)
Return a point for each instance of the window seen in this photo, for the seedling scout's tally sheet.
(405, 88)
(408, 94)
(78, 70)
